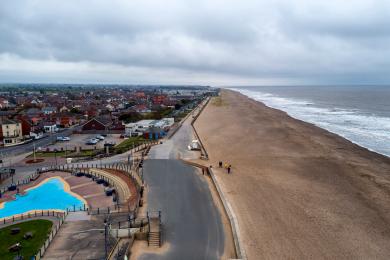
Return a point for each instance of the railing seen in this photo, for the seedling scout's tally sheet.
(35, 214)
(122, 168)
(24, 181)
(204, 152)
(149, 215)
(50, 238)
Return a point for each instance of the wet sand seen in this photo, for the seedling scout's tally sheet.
(299, 192)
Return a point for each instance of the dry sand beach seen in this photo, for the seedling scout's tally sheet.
(299, 192)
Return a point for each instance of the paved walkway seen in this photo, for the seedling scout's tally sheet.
(80, 238)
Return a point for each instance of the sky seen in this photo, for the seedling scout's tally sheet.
(207, 42)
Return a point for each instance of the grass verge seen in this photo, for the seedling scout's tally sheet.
(40, 229)
(127, 144)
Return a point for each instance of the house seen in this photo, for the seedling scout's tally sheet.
(11, 132)
(27, 125)
(35, 101)
(50, 127)
(110, 107)
(64, 109)
(65, 121)
(4, 103)
(142, 109)
(97, 124)
(159, 99)
(6, 114)
(140, 95)
(33, 112)
(49, 110)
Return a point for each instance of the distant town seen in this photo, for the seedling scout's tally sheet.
(30, 112)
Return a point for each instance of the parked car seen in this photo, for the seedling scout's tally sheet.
(91, 141)
(99, 137)
(63, 138)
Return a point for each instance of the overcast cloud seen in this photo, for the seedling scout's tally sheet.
(212, 42)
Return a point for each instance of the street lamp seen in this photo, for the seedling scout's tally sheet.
(105, 238)
(55, 155)
(12, 173)
(35, 158)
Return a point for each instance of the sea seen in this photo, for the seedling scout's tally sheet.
(360, 114)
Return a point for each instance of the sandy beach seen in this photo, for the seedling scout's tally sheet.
(299, 192)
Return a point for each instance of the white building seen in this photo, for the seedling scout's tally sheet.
(142, 126)
(164, 123)
(50, 128)
(138, 128)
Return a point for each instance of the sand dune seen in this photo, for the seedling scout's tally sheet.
(299, 192)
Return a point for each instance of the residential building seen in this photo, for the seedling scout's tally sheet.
(49, 110)
(11, 132)
(50, 127)
(97, 124)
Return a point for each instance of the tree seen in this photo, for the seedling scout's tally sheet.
(130, 117)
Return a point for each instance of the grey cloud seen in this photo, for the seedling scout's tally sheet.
(321, 41)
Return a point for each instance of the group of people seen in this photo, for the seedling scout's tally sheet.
(227, 166)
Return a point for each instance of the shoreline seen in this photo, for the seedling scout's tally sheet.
(316, 193)
(66, 188)
(313, 123)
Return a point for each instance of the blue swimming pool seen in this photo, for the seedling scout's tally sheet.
(48, 195)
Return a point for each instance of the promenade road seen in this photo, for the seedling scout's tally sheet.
(191, 222)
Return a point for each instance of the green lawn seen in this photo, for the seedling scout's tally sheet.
(40, 229)
(83, 153)
(47, 154)
(127, 144)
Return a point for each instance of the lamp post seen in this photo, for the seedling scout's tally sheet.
(105, 238)
(12, 172)
(35, 157)
(55, 155)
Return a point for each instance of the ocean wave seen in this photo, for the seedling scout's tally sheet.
(369, 131)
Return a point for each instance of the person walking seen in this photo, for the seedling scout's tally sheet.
(220, 164)
(229, 168)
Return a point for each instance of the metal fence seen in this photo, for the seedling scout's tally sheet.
(50, 238)
(204, 152)
(34, 214)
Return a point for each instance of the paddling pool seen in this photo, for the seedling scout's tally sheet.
(51, 194)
